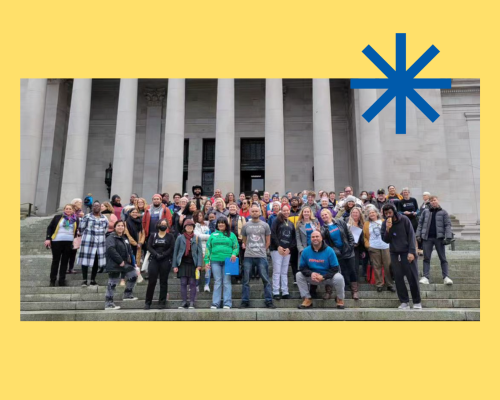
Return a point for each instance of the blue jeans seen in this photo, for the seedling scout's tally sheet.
(219, 275)
(263, 267)
(207, 276)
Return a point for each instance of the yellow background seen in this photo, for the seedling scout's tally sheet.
(244, 39)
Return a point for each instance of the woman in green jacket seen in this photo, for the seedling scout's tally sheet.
(221, 244)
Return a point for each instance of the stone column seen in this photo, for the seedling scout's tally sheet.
(195, 161)
(151, 176)
(224, 137)
(173, 155)
(31, 137)
(275, 137)
(322, 136)
(124, 153)
(370, 157)
(473, 123)
(75, 157)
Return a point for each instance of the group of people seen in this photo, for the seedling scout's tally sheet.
(325, 241)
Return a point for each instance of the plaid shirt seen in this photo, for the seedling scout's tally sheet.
(93, 231)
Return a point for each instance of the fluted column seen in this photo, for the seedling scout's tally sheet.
(324, 177)
(224, 137)
(173, 155)
(75, 158)
(31, 137)
(275, 137)
(124, 153)
(370, 158)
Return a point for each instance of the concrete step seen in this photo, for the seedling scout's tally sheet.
(256, 294)
(259, 303)
(435, 274)
(236, 289)
(28, 282)
(471, 314)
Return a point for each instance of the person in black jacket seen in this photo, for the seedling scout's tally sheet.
(338, 236)
(282, 241)
(398, 232)
(408, 206)
(161, 248)
(119, 259)
(61, 232)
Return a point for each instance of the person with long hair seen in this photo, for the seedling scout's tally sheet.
(93, 228)
(134, 231)
(408, 206)
(142, 206)
(202, 232)
(282, 241)
(338, 236)
(306, 225)
(188, 257)
(236, 224)
(221, 244)
(108, 212)
(356, 220)
(230, 198)
(161, 248)
(378, 249)
(220, 208)
(119, 261)
(207, 207)
(61, 233)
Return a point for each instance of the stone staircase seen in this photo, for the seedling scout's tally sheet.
(74, 303)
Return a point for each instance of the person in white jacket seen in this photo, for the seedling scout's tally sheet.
(202, 232)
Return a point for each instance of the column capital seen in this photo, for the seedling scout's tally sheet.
(154, 96)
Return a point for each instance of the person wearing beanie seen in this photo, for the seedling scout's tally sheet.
(347, 192)
(345, 211)
(187, 259)
(270, 205)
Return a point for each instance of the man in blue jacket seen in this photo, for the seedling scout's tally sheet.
(319, 266)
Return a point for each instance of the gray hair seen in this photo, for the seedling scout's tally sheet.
(74, 201)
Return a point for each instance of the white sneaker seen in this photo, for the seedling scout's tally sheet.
(191, 307)
(207, 288)
(197, 288)
(226, 308)
(403, 306)
(424, 280)
(213, 307)
(417, 306)
(109, 307)
(448, 281)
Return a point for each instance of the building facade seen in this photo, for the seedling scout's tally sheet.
(166, 135)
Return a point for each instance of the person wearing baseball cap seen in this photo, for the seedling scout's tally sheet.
(380, 201)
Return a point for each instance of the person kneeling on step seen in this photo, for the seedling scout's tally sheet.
(319, 266)
(119, 259)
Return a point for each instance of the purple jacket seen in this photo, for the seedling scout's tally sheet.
(318, 214)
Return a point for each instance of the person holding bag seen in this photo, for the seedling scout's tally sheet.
(161, 247)
(221, 244)
(119, 260)
(61, 233)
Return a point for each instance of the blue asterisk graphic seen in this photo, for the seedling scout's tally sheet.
(400, 83)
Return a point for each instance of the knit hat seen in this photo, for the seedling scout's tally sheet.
(276, 196)
(350, 198)
(276, 202)
(188, 222)
(156, 195)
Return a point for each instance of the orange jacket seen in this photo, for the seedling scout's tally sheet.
(146, 218)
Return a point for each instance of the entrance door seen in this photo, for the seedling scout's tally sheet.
(252, 180)
(252, 165)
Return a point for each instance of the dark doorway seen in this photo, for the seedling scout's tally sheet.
(252, 165)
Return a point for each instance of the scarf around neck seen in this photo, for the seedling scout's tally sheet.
(188, 237)
(69, 220)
